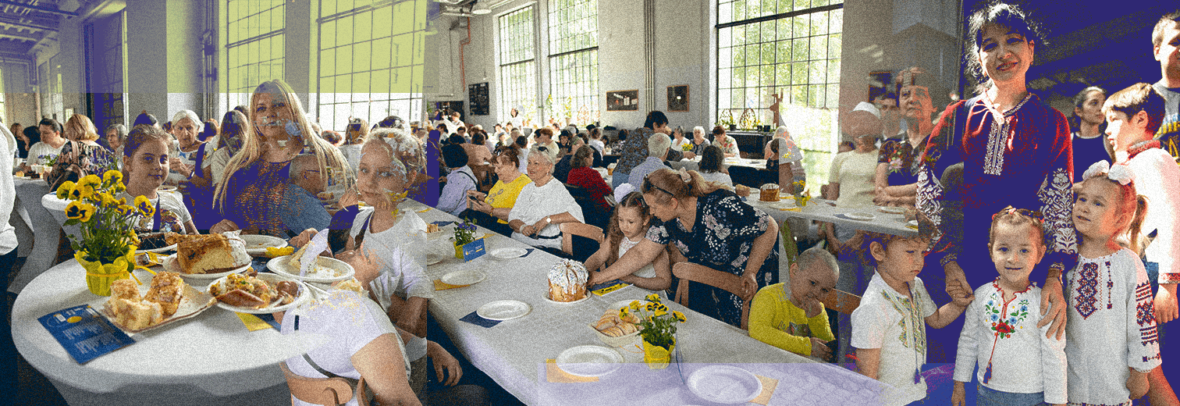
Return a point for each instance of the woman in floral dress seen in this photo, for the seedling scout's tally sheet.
(709, 226)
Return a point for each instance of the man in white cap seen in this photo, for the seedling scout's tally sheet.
(850, 181)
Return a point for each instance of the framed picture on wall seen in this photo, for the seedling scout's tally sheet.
(622, 100)
(678, 98)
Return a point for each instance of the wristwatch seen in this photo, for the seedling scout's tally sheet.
(548, 220)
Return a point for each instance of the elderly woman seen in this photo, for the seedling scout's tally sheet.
(256, 177)
(191, 151)
(1015, 150)
(897, 164)
(500, 200)
(727, 143)
(658, 149)
(711, 168)
(697, 144)
(584, 176)
(709, 226)
(679, 140)
(542, 205)
(116, 135)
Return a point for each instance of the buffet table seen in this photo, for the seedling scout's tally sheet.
(210, 359)
(46, 230)
(514, 352)
(825, 211)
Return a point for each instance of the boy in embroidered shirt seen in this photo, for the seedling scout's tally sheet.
(790, 315)
(1134, 115)
(1018, 364)
(889, 326)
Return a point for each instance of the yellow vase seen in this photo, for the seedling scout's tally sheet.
(458, 251)
(99, 275)
(657, 357)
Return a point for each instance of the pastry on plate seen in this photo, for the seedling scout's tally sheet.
(567, 281)
(211, 253)
(769, 193)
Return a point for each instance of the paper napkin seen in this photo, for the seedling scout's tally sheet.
(553, 374)
(474, 318)
(768, 387)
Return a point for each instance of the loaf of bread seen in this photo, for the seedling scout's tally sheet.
(567, 281)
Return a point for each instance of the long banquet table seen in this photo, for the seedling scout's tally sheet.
(211, 359)
(825, 211)
(514, 352)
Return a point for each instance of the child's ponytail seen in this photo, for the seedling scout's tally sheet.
(1133, 231)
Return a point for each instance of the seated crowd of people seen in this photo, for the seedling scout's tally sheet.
(1000, 189)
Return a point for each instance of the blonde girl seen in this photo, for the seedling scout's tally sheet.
(1111, 337)
(256, 177)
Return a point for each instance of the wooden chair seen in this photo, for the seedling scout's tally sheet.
(568, 230)
(323, 391)
(731, 283)
(841, 301)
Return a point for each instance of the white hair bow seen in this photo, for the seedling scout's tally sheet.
(684, 176)
(622, 191)
(1118, 173)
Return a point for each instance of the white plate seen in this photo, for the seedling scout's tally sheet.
(588, 294)
(192, 303)
(892, 210)
(724, 384)
(861, 216)
(912, 223)
(589, 360)
(509, 253)
(158, 250)
(343, 269)
(503, 310)
(172, 265)
(464, 278)
(272, 279)
(256, 244)
(432, 259)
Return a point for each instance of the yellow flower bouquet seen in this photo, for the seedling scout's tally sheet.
(657, 326)
(106, 244)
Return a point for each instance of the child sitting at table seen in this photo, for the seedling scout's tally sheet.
(1018, 363)
(385, 237)
(889, 326)
(145, 167)
(790, 315)
(628, 225)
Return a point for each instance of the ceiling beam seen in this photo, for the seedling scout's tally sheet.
(14, 47)
(36, 8)
(19, 34)
(23, 24)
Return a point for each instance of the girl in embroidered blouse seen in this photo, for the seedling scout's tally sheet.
(1015, 150)
(1111, 338)
(257, 176)
(1018, 365)
(628, 225)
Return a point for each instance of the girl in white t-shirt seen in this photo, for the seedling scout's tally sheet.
(145, 167)
(394, 238)
(1019, 364)
(628, 225)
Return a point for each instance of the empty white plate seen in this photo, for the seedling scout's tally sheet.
(892, 209)
(503, 310)
(464, 278)
(724, 384)
(256, 244)
(508, 253)
(860, 216)
(589, 360)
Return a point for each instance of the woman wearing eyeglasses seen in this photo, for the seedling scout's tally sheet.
(499, 201)
(543, 205)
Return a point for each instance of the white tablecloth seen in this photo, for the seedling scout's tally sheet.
(694, 164)
(514, 351)
(821, 210)
(206, 360)
(45, 230)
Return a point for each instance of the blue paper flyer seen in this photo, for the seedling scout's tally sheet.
(84, 333)
(473, 250)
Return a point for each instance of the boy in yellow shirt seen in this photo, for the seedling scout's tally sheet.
(790, 315)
